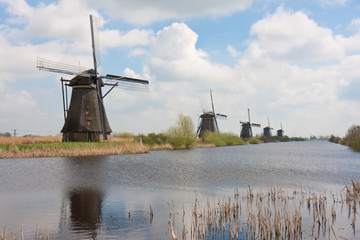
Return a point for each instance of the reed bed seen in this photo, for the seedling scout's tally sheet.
(70, 149)
(273, 214)
(7, 235)
(29, 139)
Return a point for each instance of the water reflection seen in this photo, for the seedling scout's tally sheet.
(84, 195)
(85, 211)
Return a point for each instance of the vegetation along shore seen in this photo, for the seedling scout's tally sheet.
(351, 139)
(179, 136)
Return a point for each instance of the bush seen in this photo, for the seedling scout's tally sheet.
(334, 139)
(254, 140)
(352, 137)
(183, 134)
(215, 138)
(123, 135)
(223, 139)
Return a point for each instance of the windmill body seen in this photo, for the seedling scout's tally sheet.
(85, 118)
(280, 132)
(246, 127)
(267, 130)
(208, 121)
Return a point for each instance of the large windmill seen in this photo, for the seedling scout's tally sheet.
(208, 120)
(85, 118)
(246, 130)
(267, 130)
(280, 132)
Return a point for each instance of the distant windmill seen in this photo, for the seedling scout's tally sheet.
(246, 130)
(208, 120)
(280, 132)
(267, 130)
(85, 119)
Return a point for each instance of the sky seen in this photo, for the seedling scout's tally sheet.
(294, 62)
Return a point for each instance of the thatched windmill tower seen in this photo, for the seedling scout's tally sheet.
(85, 119)
(246, 127)
(280, 132)
(208, 120)
(267, 130)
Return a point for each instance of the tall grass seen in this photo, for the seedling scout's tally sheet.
(66, 149)
(29, 139)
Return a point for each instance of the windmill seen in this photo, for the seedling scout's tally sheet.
(246, 130)
(267, 130)
(208, 120)
(280, 132)
(85, 118)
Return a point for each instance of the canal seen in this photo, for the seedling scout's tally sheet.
(109, 197)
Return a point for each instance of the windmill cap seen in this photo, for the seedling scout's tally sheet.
(85, 78)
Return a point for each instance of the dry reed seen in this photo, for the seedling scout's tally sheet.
(73, 150)
(267, 215)
(20, 236)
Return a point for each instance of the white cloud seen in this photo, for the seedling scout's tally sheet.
(232, 51)
(134, 37)
(146, 12)
(293, 37)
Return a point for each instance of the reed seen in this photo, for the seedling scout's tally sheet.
(70, 149)
(274, 214)
(20, 236)
(29, 139)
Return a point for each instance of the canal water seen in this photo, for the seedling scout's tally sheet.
(109, 197)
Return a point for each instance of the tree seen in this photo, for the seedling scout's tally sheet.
(183, 134)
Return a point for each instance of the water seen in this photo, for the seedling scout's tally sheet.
(109, 197)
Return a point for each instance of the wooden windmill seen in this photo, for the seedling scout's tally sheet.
(246, 127)
(280, 132)
(208, 120)
(85, 118)
(267, 130)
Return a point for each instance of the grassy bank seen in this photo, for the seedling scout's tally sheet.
(66, 149)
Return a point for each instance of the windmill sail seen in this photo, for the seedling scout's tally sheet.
(51, 66)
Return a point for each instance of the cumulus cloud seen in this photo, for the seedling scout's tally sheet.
(146, 12)
(293, 37)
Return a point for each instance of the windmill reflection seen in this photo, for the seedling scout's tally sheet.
(81, 211)
(85, 210)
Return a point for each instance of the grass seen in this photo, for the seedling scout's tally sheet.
(66, 149)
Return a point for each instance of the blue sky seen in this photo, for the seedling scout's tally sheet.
(296, 62)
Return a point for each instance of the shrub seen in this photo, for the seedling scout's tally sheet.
(254, 140)
(223, 139)
(123, 135)
(183, 134)
(215, 138)
(352, 137)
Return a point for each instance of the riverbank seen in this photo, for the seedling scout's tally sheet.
(52, 146)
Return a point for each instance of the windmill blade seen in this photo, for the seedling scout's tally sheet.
(213, 110)
(126, 79)
(242, 122)
(127, 83)
(221, 115)
(94, 26)
(51, 66)
(256, 125)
